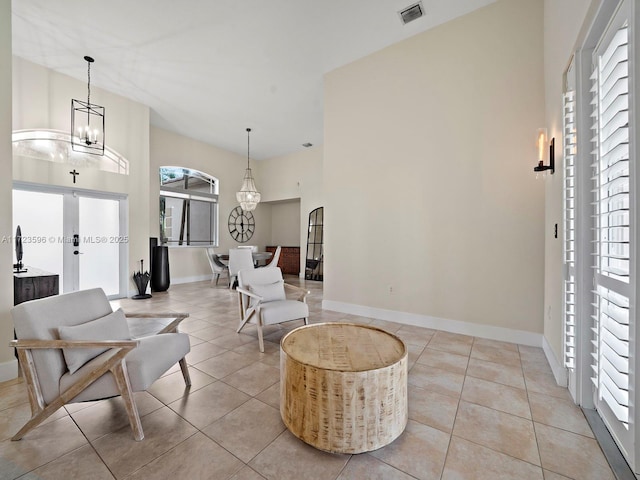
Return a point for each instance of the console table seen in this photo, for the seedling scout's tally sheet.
(343, 387)
(289, 261)
(34, 284)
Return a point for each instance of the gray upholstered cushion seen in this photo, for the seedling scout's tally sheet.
(145, 364)
(269, 292)
(110, 327)
(283, 311)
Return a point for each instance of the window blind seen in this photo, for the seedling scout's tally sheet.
(611, 195)
(569, 142)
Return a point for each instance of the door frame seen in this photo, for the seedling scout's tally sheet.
(70, 221)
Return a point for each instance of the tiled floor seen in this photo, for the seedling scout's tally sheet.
(478, 409)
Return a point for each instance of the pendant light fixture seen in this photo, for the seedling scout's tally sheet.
(248, 196)
(87, 122)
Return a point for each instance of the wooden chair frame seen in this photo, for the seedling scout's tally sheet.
(251, 310)
(115, 363)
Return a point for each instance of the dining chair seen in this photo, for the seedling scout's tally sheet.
(262, 295)
(239, 259)
(217, 267)
(275, 258)
(75, 348)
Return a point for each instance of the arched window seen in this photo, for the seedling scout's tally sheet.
(55, 146)
(188, 207)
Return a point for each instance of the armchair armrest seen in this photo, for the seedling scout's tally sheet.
(302, 292)
(49, 344)
(242, 291)
(169, 328)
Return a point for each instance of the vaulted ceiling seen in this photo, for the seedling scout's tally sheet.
(208, 69)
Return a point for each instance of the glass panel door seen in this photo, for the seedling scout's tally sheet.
(81, 236)
(100, 241)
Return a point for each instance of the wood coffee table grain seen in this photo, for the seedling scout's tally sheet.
(343, 387)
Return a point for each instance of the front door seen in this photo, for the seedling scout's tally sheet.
(79, 235)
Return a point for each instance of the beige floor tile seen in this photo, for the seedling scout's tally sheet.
(224, 364)
(247, 430)
(271, 396)
(39, 446)
(205, 406)
(560, 413)
(212, 333)
(13, 419)
(499, 431)
(203, 351)
(531, 353)
(110, 415)
(171, 387)
(452, 343)
(420, 451)
(572, 455)
(497, 396)
(192, 324)
(253, 379)
(446, 361)
(196, 457)
(163, 430)
(431, 408)
(549, 475)
(487, 342)
(545, 383)
(247, 473)
(232, 340)
(367, 467)
(499, 355)
(81, 463)
(13, 394)
(413, 353)
(467, 460)
(436, 380)
(495, 372)
(288, 458)
(539, 366)
(413, 337)
(392, 327)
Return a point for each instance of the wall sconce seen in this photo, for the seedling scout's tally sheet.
(541, 144)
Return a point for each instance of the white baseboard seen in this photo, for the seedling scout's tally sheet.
(559, 372)
(8, 370)
(454, 326)
(198, 278)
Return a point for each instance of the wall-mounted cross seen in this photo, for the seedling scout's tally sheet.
(74, 173)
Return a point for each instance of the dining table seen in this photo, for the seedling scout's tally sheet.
(257, 257)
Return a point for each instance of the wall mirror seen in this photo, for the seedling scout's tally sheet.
(315, 260)
(188, 207)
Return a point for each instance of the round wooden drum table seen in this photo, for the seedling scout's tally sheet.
(343, 387)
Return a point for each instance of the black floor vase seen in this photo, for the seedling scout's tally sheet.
(160, 280)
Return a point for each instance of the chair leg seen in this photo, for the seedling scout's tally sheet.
(306, 320)
(259, 325)
(217, 278)
(185, 372)
(122, 380)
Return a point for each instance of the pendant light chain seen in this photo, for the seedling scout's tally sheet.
(248, 133)
(88, 82)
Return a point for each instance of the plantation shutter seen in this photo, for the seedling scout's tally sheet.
(569, 142)
(612, 232)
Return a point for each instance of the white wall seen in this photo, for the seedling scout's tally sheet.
(432, 207)
(42, 99)
(8, 364)
(285, 223)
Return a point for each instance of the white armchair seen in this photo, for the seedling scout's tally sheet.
(263, 300)
(74, 348)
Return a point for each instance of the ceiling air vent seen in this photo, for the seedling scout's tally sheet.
(411, 13)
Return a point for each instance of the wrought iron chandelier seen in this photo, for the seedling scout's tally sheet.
(87, 121)
(248, 196)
